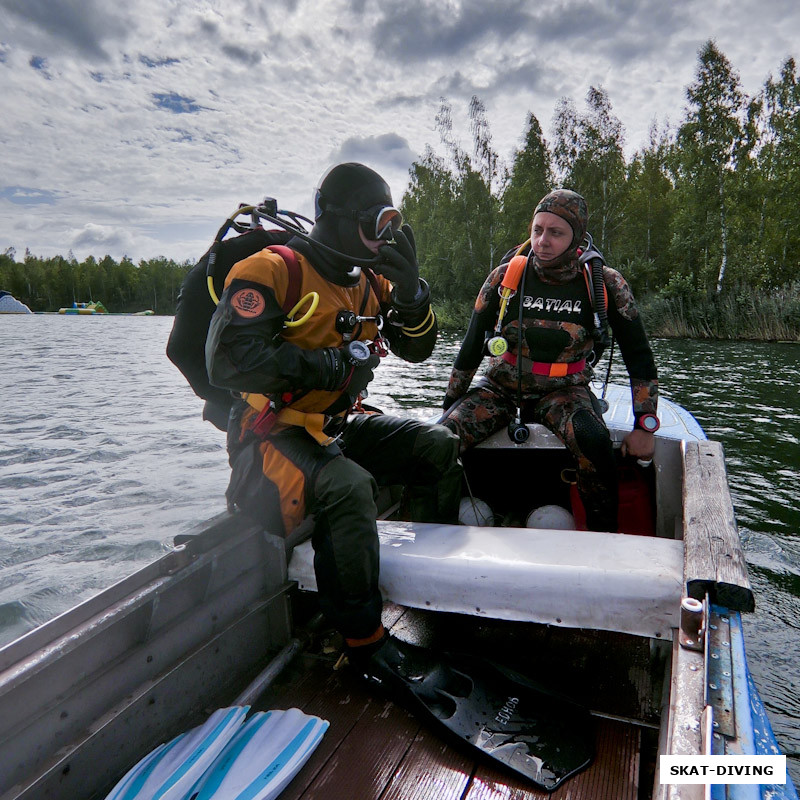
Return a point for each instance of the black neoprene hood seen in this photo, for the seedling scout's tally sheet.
(346, 189)
(353, 187)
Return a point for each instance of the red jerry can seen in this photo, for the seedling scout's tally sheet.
(636, 501)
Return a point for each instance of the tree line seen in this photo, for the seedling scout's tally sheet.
(47, 284)
(701, 219)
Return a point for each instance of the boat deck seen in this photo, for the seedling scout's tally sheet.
(375, 749)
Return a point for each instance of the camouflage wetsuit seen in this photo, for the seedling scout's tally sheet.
(557, 324)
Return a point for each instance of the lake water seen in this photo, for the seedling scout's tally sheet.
(104, 457)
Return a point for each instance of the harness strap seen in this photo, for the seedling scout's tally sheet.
(550, 369)
(295, 276)
(313, 422)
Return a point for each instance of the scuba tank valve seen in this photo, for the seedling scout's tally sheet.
(269, 210)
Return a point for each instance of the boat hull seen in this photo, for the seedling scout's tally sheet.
(86, 695)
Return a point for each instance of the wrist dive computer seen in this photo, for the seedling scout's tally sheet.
(648, 422)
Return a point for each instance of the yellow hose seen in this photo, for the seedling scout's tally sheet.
(210, 284)
(293, 323)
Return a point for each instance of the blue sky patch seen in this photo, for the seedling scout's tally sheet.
(27, 196)
(176, 103)
(158, 62)
(39, 63)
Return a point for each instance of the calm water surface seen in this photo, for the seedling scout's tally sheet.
(104, 457)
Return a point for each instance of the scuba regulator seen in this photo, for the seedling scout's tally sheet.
(517, 430)
(268, 210)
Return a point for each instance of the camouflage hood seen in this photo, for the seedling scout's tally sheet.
(570, 206)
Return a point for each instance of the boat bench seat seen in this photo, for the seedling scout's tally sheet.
(574, 579)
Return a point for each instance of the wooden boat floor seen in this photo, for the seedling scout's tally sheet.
(376, 750)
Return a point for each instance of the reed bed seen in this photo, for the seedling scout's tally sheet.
(770, 315)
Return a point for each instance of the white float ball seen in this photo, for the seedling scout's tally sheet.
(551, 517)
(473, 511)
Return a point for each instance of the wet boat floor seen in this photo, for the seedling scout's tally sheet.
(376, 750)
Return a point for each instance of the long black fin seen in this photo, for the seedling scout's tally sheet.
(539, 734)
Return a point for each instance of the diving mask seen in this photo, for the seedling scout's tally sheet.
(378, 222)
(382, 220)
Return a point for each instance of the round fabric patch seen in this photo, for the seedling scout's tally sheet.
(248, 303)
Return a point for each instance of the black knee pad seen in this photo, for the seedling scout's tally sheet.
(593, 439)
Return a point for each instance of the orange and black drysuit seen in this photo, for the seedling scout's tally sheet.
(557, 339)
(304, 454)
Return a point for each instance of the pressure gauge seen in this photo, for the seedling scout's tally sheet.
(358, 353)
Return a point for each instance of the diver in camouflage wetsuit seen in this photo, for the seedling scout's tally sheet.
(557, 339)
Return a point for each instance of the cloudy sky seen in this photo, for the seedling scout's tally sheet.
(136, 128)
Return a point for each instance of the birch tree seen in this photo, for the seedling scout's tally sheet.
(708, 144)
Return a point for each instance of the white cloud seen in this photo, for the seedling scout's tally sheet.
(82, 26)
(136, 129)
(101, 238)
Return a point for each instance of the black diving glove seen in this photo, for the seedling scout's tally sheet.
(398, 263)
(350, 378)
(360, 377)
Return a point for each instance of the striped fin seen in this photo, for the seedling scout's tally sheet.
(263, 757)
(171, 770)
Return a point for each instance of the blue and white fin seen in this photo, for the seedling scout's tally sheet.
(263, 757)
(171, 770)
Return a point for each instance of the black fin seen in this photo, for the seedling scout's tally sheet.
(538, 734)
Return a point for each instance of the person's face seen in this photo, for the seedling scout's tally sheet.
(551, 235)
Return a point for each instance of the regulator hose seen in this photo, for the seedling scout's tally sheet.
(260, 212)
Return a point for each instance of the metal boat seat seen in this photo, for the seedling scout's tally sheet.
(575, 579)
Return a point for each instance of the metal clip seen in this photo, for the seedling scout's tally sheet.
(692, 632)
(178, 558)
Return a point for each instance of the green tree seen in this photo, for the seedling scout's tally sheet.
(708, 144)
(566, 139)
(85, 276)
(589, 154)
(6, 268)
(451, 205)
(480, 179)
(530, 179)
(57, 282)
(430, 205)
(779, 166)
(643, 241)
(473, 178)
